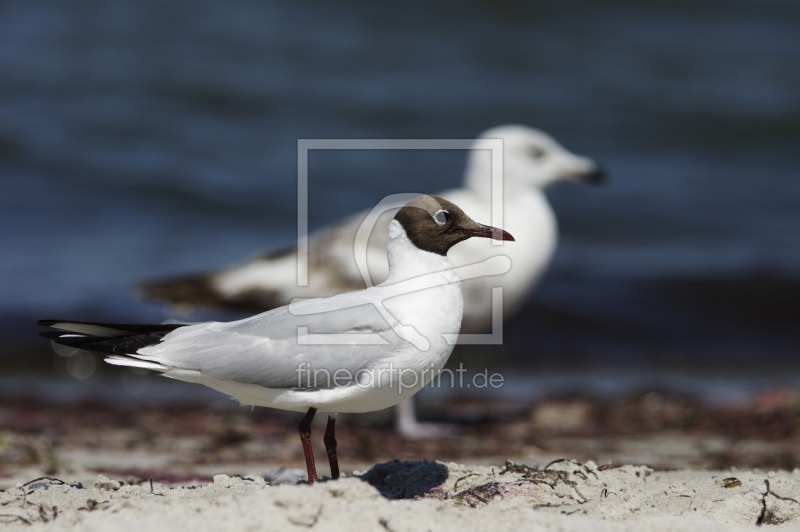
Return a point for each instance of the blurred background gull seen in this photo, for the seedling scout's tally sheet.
(139, 140)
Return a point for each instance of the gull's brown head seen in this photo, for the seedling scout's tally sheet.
(434, 224)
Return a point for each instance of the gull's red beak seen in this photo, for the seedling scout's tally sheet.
(486, 231)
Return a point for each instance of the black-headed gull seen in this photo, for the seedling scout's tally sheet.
(354, 352)
(532, 161)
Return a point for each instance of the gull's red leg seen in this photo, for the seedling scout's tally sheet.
(305, 439)
(330, 446)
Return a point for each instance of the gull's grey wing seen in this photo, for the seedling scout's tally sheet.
(265, 350)
(269, 279)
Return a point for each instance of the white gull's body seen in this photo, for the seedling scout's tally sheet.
(532, 161)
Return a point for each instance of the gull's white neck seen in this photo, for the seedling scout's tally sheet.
(407, 261)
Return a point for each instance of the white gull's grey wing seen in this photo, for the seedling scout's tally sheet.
(264, 350)
(332, 267)
(269, 279)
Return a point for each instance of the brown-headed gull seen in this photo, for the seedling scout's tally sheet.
(353, 352)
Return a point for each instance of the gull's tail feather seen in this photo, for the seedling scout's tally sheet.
(118, 360)
(121, 340)
(98, 329)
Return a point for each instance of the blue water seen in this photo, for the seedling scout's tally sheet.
(139, 139)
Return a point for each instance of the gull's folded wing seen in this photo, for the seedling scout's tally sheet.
(270, 349)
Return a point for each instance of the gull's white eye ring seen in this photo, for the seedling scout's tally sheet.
(440, 217)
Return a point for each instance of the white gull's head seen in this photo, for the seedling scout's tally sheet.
(533, 159)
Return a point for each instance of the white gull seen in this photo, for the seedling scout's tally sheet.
(532, 161)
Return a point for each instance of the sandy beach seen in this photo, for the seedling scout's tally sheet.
(396, 496)
(652, 461)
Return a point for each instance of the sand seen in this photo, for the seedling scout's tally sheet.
(422, 495)
(682, 448)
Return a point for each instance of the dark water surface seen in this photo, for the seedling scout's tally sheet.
(147, 138)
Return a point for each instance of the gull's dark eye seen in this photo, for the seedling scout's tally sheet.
(536, 152)
(441, 217)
